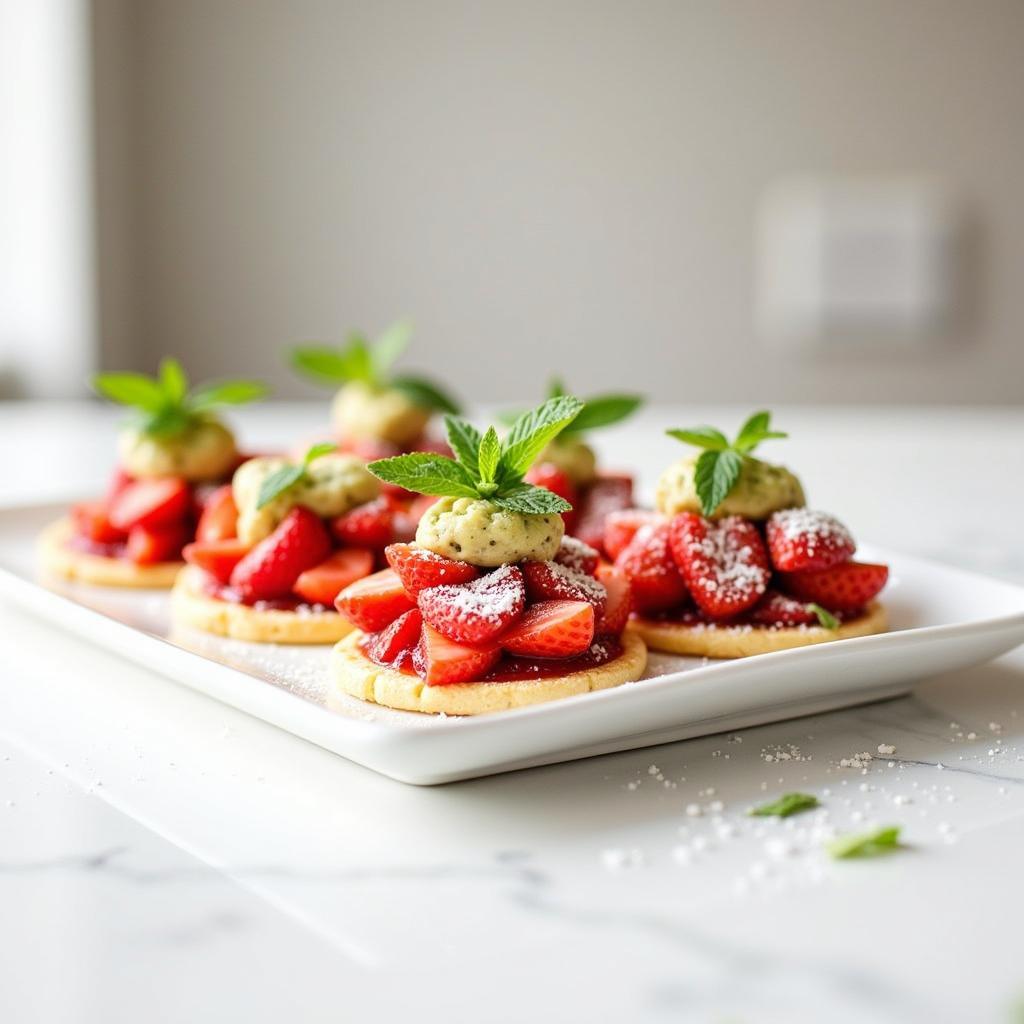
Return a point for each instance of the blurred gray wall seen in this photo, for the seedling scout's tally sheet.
(542, 186)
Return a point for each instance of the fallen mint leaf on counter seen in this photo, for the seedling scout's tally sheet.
(866, 844)
(787, 804)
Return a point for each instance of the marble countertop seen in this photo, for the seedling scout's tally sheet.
(166, 858)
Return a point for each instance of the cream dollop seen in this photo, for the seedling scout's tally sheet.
(360, 411)
(333, 484)
(478, 531)
(205, 451)
(762, 488)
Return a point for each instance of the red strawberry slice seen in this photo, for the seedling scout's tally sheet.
(549, 581)
(777, 609)
(150, 544)
(799, 539)
(444, 661)
(547, 474)
(619, 604)
(119, 480)
(842, 588)
(724, 563)
(217, 557)
(367, 526)
(475, 612)
(91, 520)
(654, 576)
(552, 629)
(620, 528)
(270, 569)
(323, 583)
(374, 602)
(393, 643)
(219, 518)
(574, 554)
(418, 568)
(607, 494)
(151, 503)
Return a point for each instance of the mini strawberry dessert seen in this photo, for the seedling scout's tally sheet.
(376, 413)
(291, 537)
(568, 466)
(172, 456)
(734, 564)
(491, 607)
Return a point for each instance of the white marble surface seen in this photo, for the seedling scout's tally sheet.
(165, 858)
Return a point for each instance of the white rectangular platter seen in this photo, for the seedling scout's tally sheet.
(943, 619)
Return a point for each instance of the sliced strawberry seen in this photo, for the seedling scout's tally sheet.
(219, 518)
(724, 563)
(270, 569)
(217, 557)
(475, 612)
(91, 520)
(151, 503)
(549, 581)
(418, 568)
(620, 601)
(574, 554)
(367, 526)
(389, 645)
(369, 449)
(653, 574)
(607, 494)
(552, 629)
(620, 528)
(800, 539)
(445, 661)
(374, 602)
(776, 609)
(119, 480)
(324, 582)
(547, 474)
(842, 588)
(148, 545)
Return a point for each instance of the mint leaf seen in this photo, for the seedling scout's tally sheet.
(464, 440)
(321, 448)
(787, 804)
(228, 392)
(867, 844)
(714, 476)
(173, 381)
(133, 389)
(168, 421)
(425, 394)
(426, 473)
(531, 432)
(603, 411)
(277, 483)
(336, 365)
(389, 346)
(702, 437)
(489, 456)
(825, 618)
(754, 431)
(530, 499)
(556, 388)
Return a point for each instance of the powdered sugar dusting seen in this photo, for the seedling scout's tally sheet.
(729, 568)
(574, 554)
(572, 585)
(492, 599)
(819, 537)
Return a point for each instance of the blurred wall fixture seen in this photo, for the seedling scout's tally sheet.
(846, 263)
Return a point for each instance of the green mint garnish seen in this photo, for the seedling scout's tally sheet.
(787, 804)
(598, 411)
(825, 618)
(719, 465)
(484, 466)
(281, 479)
(165, 406)
(866, 844)
(371, 363)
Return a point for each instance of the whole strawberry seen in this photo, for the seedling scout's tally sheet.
(800, 539)
(842, 588)
(653, 574)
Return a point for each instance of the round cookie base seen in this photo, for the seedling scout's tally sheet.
(191, 607)
(353, 673)
(703, 641)
(57, 559)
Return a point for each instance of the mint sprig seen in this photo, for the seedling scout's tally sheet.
(484, 466)
(787, 804)
(866, 844)
(164, 404)
(721, 462)
(825, 618)
(372, 363)
(598, 411)
(281, 479)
